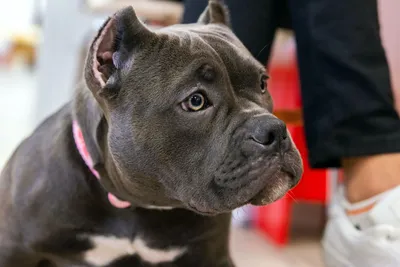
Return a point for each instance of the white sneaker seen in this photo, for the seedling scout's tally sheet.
(375, 246)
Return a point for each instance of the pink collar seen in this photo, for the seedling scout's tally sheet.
(81, 145)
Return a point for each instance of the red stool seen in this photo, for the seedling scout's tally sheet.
(284, 86)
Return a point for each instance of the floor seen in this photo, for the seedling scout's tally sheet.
(249, 248)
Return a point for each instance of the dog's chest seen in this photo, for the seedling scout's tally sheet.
(107, 249)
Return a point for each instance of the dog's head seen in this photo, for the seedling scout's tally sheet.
(189, 117)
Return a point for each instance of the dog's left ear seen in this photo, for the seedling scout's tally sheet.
(215, 12)
(112, 51)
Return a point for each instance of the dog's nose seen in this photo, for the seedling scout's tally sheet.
(267, 135)
(271, 135)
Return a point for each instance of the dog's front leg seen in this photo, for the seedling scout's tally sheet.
(14, 256)
(137, 262)
(131, 261)
(226, 263)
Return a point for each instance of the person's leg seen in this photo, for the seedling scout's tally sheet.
(351, 122)
(348, 104)
(254, 22)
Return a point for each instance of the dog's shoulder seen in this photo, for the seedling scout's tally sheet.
(35, 151)
(46, 160)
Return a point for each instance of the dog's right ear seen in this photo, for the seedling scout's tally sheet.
(112, 51)
(215, 12)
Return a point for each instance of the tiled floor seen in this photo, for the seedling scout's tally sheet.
(249, 248)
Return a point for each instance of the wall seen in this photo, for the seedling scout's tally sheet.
(390, 30)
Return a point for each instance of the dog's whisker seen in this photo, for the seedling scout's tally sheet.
(262, 49)
(290, 194)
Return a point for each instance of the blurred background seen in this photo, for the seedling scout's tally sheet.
(42, 48)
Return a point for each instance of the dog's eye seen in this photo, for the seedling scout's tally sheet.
(263, 84)
(195, 102)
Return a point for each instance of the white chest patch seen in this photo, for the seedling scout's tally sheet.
(109, 248)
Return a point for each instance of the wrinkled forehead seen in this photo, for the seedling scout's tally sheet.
(209, 43)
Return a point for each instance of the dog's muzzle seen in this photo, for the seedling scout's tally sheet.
(261, 138)
(262, 164)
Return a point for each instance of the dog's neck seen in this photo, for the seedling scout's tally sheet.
(89, 128)
(81, 145)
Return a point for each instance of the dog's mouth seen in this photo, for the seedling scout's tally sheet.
(202, 212)
(268, 181)
(277, 187)
(285, 176)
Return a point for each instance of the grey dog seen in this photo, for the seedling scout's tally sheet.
(169, 131)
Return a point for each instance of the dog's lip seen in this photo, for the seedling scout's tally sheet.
(263, 196)
(197, 210)
(251, 171)
(288, 177)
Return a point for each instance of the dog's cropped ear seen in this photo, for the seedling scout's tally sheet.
(112, 50)
(215, 12)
